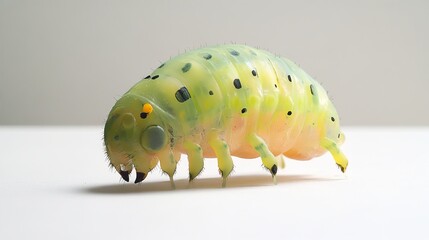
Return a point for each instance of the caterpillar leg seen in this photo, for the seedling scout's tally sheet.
(195, 158)
(168, 165)
(221, 149)
(267, 157)
(336, 152)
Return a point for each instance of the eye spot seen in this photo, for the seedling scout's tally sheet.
(211, 92)
(289, 78)
(339, 135)
(146, 109)
(153, 138)
(243, 110)
(332, 119)
(254, 73)
(155, 77)
(275, 85)
(162, 65)
(289, 113)
(148, 76)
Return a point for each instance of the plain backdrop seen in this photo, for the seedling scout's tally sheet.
(65, 62)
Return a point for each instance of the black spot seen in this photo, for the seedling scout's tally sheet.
(237, 83)
(312, 89)
(155, 77)
(143, 115)
(207, 56)
(182, 94)
(332, 119)
(211, 92)
(253, 53)
(275, 85)
(289, 113)
(339, 135)
(162, 65)
(148, 76)
(274, 169)
(186, 67)
(289, 77)
(116, 137)
(254, 73)
(234, 53)
(243, 110)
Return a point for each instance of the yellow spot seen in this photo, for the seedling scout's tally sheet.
(147, 108)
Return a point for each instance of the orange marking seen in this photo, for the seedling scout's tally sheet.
(147, 108)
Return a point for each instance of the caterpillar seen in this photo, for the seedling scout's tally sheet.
(217, 102)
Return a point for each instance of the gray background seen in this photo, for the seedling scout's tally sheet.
(65, 62)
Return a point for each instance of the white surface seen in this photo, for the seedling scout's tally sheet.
(55, 184)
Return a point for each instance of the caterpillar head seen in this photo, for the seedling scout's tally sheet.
(134, 135)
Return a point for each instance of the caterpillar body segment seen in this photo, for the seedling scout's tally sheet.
(217, 102)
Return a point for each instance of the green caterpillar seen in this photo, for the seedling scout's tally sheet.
(217, 102)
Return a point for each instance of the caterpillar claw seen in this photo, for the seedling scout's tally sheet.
(125, 175)
(343, 169)
(274, 170)
(140, 177)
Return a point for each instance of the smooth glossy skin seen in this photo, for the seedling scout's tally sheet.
(217, 102)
